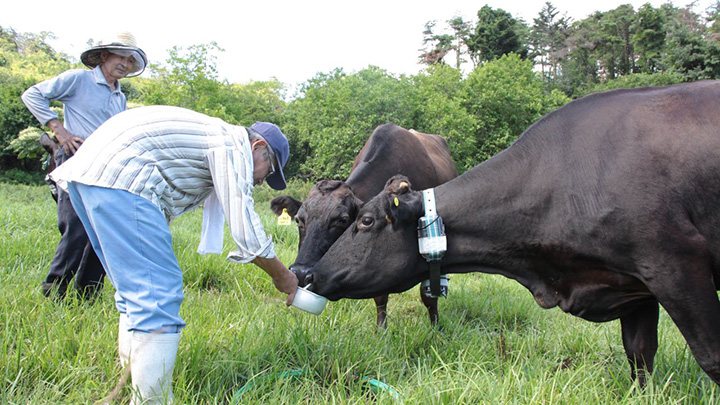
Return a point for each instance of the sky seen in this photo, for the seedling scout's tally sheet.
(288, 40)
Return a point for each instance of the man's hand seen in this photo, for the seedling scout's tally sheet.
(283, 279)
(288, 284)
(65, 139)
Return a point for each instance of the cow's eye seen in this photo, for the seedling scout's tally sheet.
(343, 221)
(365, 223)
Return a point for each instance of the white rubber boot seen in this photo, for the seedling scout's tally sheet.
(152, 361)
(124, 342)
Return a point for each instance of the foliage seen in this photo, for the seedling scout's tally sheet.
(189, 80)
(548, 37)
(338, 112)
(648, 38)
(634, 80)
(689, 53)
(496, 34)
(479, 112)
(30, 56)
(27, 144)
(25, 59)
(19, 176)
(438, 101)
(437, 46)
(506, 96)
(14, 117)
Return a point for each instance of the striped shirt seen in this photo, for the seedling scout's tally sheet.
(175, 158)
(87, 100)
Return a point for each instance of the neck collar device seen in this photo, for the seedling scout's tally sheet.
(432, 244)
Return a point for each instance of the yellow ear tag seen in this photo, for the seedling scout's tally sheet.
(397, 203)
(284, 218)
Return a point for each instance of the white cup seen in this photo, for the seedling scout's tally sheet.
(309, 301)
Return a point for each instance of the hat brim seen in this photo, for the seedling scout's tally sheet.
(277, 180)
(91, 58)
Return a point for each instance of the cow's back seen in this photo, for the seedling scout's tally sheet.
(644, 160)
(391, 150)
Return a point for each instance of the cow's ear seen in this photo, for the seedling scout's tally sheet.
(285, 202)
(397, 185)
(403, 209)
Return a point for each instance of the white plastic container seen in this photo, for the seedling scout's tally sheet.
(309, 301)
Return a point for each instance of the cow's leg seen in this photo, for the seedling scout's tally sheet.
(685, 288)
(381, 305)
(639, 334)
(432, 306)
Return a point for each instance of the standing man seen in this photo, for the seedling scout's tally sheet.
(139, 170)
(89, 98)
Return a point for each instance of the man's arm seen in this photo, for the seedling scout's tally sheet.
(229, 170)
(283, 278)
(37, 100)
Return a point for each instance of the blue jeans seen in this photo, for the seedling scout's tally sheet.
(133, 241)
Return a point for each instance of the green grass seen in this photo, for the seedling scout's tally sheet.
(496, 345)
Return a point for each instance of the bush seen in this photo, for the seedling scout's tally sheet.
(507, 96)
(329, 125)
(17, 176)
(27, 144)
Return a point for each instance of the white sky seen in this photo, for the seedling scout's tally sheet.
(290, 40)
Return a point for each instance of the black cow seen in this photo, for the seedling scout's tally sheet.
(331, 205)
(605, 208)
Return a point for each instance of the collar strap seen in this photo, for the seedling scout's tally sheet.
(432, 242)
(429, 202)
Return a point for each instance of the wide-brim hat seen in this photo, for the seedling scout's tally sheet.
(279, 143)
(122, 44)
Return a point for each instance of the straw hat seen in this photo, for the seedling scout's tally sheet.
(122, 44)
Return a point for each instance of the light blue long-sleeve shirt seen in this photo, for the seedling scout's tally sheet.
(87, 100)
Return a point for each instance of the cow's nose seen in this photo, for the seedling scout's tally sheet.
(302, 274)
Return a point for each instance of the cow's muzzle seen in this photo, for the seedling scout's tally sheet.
(303, 275)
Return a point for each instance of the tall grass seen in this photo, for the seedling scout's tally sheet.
(496, 346)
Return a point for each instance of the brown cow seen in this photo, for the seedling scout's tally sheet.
(50, 147)
(331, 205)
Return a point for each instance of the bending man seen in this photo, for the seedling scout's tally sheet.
(139, 170)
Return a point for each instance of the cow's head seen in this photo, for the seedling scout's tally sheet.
(379, 253)
(330, 208)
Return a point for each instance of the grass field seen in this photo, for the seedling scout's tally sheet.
(496, 345)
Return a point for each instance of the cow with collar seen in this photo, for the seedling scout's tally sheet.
(607, 208)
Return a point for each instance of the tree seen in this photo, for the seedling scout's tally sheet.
(329, 124)
(688, 52)
(462, 31)
(188, 80)
(648, 38)
(496, 34)
(548, 40)
(506, 96)
(713, 19)
(436, 46)
(25, 59)
(613, 38)
(438, 104)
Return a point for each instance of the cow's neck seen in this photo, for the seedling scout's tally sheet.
(492, 219)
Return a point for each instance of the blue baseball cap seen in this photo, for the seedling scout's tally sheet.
(279, 143)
